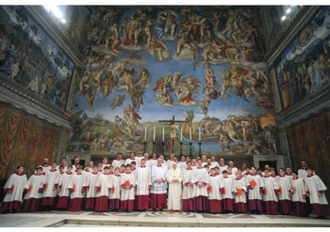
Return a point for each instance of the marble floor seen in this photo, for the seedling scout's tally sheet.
(155, 219)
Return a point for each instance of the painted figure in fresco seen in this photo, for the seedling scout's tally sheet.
(270, 138)
(229, 128)
(91, 91)
(225, 143)
(136, 97)
(184, 42)
(204, 105)
(128, 80)
(205, 28)
(311, 74)
(14, 70)
(124, 31)
(117, 101)
(117, 143)
(183, 95)
(158, 47)
(323, 67)
(112, 39)
(122, 126)
(164, 93)
(107, 84)
(97, 80)
(134, 28)
(143, 77)
(175, 80)
(213, 53)
(170, 20)
(132, 119)
(84, 80)
(148, 30)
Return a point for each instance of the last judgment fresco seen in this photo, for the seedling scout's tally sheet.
(202, 65)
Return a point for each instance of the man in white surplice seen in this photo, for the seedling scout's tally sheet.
(174, 178)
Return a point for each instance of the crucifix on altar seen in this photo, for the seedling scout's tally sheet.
(173, 124)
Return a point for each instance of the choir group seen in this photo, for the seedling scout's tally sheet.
(139, 183)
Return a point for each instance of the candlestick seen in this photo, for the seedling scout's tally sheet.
(190, 133)
(163, 133)
(154, 133)
(181, 133)
(200, 149)
(181, 149)
(199, 134)
(145, 134)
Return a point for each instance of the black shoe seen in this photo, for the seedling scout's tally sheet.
(161, 210)
(153, 209)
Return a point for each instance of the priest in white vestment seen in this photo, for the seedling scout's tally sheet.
(118, 162)
(14, 188)
(315, 189)
(45, 167)
(142, 185)
(200, 178)
(33, 187)
(158, 187)
(174, 179)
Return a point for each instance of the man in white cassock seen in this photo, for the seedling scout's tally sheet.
(200, 178)
(214, 162)
(118, 162)
(138, 158)
(64, 163)
(182, 164)
(64, 193)
(45, 167)
(302, 172)
(233, 169)
(142, 184)
(158, 187)
(222, 165)
(14, 188)
(174, 179)
(105, 163)
(170, 161)
(315, 189)
(50, 188)
(33, 187)
(188, 187)
(130, 159)
(153, 161)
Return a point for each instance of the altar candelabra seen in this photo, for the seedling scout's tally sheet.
(145, 147)
(181, 149)
(163, 148)
(153, 146)
(200, 149)
(190, 150)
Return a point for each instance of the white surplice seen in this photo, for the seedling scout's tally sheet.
(298, 190)
(142, 180)
(78, 181)
(314, 184)
(19, 182)
(199, 176)
(285, 183)
(187, 191)
(33, 185)
(158, 172)
(174, 189)
(270, 185)
(127, 194)
(117, 163)
(51, 179)
(63, 183)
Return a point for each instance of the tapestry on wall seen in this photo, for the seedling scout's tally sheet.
(29, 57)
(202, 65)
(303, 68)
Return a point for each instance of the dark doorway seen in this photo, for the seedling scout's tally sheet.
(272, 164)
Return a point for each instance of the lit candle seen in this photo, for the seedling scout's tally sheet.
(163, 133)
(181, 133)
(145, 134)
(199, 134)
(154, 133)
(190, 133)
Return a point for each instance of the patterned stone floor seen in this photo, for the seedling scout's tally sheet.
(153, 218)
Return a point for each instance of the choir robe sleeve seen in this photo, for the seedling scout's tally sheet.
(262, 184)
(320, 185)
(149, 177)
(275, 185)
(28, 183)
(9, 182)
(194, 177)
